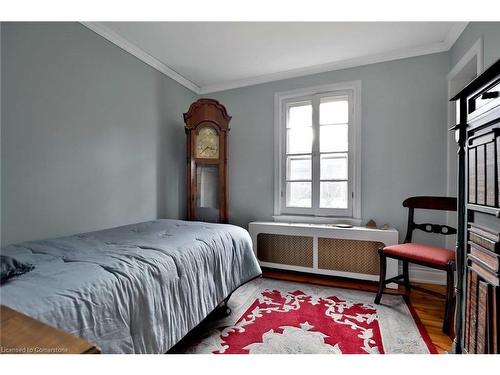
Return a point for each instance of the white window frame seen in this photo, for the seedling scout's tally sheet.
(281, 101)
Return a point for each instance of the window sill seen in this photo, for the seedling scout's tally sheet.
(316, 219)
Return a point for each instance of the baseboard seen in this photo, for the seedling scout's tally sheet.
(427, 275)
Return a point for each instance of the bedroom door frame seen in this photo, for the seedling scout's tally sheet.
(466, 69)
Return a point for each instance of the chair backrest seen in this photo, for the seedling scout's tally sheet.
(428, 203)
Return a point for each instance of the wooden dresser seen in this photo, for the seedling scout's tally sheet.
(20, 334)
(478, 237)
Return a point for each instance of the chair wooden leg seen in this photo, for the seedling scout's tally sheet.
(450, 286)
(406, 276)
(383, 267)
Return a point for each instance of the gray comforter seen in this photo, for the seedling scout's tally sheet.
(134, 289)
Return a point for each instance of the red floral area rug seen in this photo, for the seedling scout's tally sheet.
(277, 317)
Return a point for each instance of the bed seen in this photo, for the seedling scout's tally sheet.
(133, 289)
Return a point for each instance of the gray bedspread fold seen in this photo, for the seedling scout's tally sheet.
(133, 289)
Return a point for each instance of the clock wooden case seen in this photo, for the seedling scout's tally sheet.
(207, 127)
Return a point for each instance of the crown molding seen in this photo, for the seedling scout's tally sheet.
(131, 48)
(455, 33)
(443, 46)
(145, 57)
(344, 64)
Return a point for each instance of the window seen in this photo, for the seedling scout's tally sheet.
(317, 151)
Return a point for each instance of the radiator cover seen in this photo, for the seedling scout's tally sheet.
(349, 255)
(323, 249)
(285, 249)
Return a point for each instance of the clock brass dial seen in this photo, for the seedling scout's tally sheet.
(207, 143)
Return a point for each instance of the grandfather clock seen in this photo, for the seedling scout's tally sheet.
(207, 125)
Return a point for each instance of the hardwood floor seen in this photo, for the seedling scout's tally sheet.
(429, 308)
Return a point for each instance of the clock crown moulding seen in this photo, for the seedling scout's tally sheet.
(207, 110)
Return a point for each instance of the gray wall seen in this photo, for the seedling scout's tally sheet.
(91, 136)
(404, 131)
(490, 31)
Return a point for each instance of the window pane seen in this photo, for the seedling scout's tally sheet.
(334, 167)
(299, 116)
(298, 194)
(333, 112)
(333, 194)
(333, 138)
(299, 168)
(299, 140)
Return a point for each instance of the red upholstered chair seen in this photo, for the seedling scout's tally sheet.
(425, 255)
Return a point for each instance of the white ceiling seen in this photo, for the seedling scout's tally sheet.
(212, 56)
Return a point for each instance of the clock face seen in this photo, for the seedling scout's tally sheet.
(207, 143)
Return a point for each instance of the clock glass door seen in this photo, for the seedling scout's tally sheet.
(207, 192)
